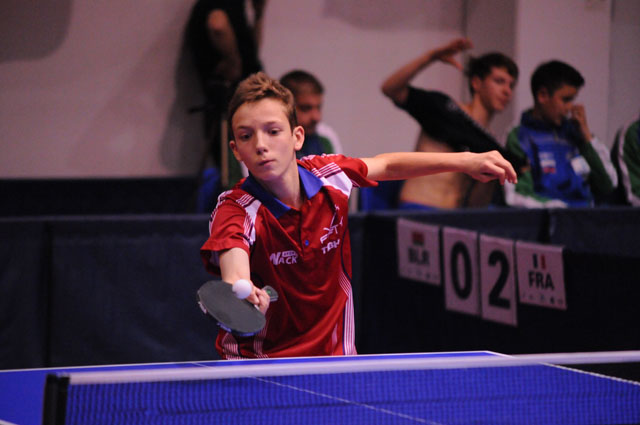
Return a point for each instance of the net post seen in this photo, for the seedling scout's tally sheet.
(55, 400)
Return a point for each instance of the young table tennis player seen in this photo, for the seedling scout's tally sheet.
(286, 224)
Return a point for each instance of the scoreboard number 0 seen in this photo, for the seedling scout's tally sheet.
(460, 252)
(462, 285)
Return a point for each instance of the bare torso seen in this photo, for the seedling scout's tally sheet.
(445, 190)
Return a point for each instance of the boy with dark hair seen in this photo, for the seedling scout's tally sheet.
(451, 126)
(553, 75)
(567, 165)
(285, 225)
(308, 93)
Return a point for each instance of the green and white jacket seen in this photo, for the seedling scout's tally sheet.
(627, 161)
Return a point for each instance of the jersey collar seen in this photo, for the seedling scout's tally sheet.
(310, 183)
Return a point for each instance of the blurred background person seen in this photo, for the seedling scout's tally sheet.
(625, 155)
(224, 43)
(449, 126)
(567, 165)
(308, 94)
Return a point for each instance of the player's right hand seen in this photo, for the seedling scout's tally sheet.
(259, 298)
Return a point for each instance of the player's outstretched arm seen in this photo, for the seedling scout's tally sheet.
(234, 265)
(484, 166)
(396, 86)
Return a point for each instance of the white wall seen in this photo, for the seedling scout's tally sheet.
(352, 46)
(490, 24)
(576, 32)
(89, 88)
(102, 88)
(624, 85)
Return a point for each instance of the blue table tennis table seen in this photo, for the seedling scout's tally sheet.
(431, 388)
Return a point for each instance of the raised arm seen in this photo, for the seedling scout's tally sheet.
(396, 87)
(223, 40)
(258, 9)
(403, 165)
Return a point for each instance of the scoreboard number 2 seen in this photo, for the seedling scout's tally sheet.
(497, 280)
(499, 259)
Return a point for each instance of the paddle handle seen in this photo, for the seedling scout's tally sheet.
(273, 294)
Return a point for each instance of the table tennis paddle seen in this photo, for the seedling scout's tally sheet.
(238, 316)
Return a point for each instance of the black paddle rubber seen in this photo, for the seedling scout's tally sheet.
(234, 315)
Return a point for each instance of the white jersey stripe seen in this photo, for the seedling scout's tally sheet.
(258, 341)
(332, 175)
(349, 322)
(250, 226)
(230, 347)
(341, 182)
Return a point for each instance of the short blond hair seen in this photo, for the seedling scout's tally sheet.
(260, 86)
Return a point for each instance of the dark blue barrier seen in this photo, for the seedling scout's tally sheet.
(24, 306)
(153, 195)
(118, 289)
(612, 231)
(407, 316)
(121, 289)
(529, 225)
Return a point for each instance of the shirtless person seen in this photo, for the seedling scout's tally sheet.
(451, 126)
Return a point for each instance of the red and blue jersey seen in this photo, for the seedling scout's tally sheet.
(305, 255)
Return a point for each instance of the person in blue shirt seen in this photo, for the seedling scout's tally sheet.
(567, 166)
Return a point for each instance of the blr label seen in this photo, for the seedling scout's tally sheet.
(418, 256)
(418, 251)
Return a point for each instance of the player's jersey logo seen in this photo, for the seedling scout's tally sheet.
(331, 230)
(284, 257)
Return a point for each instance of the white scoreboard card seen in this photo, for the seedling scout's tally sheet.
(541, 275)
(497, 280)
(418, 247)
(460, 252)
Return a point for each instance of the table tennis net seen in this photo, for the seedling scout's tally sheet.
(543, 389)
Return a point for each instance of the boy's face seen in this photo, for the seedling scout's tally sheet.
(263, 139)
(495, 90)
(554, 107)
(309, 110)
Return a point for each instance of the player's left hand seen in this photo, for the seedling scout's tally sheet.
(489, 166)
